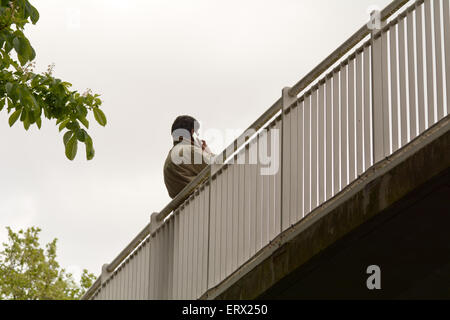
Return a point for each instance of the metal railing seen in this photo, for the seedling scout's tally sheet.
(382, 88)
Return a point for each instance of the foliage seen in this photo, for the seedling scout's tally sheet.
(28, 96)
(27, 272)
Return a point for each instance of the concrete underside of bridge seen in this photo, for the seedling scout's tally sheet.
(398, 220)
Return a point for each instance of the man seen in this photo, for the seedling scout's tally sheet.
(188, 157)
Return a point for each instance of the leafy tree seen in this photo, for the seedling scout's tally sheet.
(27, 272)
(28, 96)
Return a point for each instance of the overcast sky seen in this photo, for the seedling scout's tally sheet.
(223, 62)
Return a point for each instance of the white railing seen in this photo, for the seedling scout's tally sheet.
(372, 96)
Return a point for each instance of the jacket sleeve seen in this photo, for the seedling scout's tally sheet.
(206, 159)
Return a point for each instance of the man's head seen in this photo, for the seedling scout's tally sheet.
(183, 128)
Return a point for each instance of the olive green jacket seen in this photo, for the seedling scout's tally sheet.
(183, 163)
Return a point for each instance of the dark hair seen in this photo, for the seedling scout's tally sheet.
(185, 122)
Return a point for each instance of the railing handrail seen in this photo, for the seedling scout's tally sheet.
(337, 54)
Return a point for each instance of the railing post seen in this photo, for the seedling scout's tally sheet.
(376, 25)
(208, 249)
(105, 273)
(154, 291)
(150, 295)
(287, 101)
(154, 222)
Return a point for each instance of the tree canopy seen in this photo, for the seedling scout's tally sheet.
(28, 96)
(28, 272)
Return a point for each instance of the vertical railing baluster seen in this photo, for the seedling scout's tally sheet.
(446, 11)
(429, 63)
(438, 59)
(411, 75)
(377, 95)
(285, 160)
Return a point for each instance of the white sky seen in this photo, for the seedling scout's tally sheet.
(223, 62)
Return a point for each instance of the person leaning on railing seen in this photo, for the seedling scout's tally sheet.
(188, 156)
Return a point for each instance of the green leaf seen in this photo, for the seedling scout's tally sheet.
(26, 121)
(35, 80)
(32, 53)
(81, 111)
(31, 116)
(90, 152)
(63, 124)
(67, 136)
(34, 104)
(23, 49)
(26, 98)
(23, 115)
(14, 117)
(84, 121)
(10, 105)
(2, 103)
(59, 90)
(71, 148)
(9, 42)
(9, 86)
(81, 135)
(23, 60)
(32, 11)
(74, 126)
(66, 84)
(99, 116)
(38, 122)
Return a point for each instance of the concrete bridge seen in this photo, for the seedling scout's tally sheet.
(362, 182)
